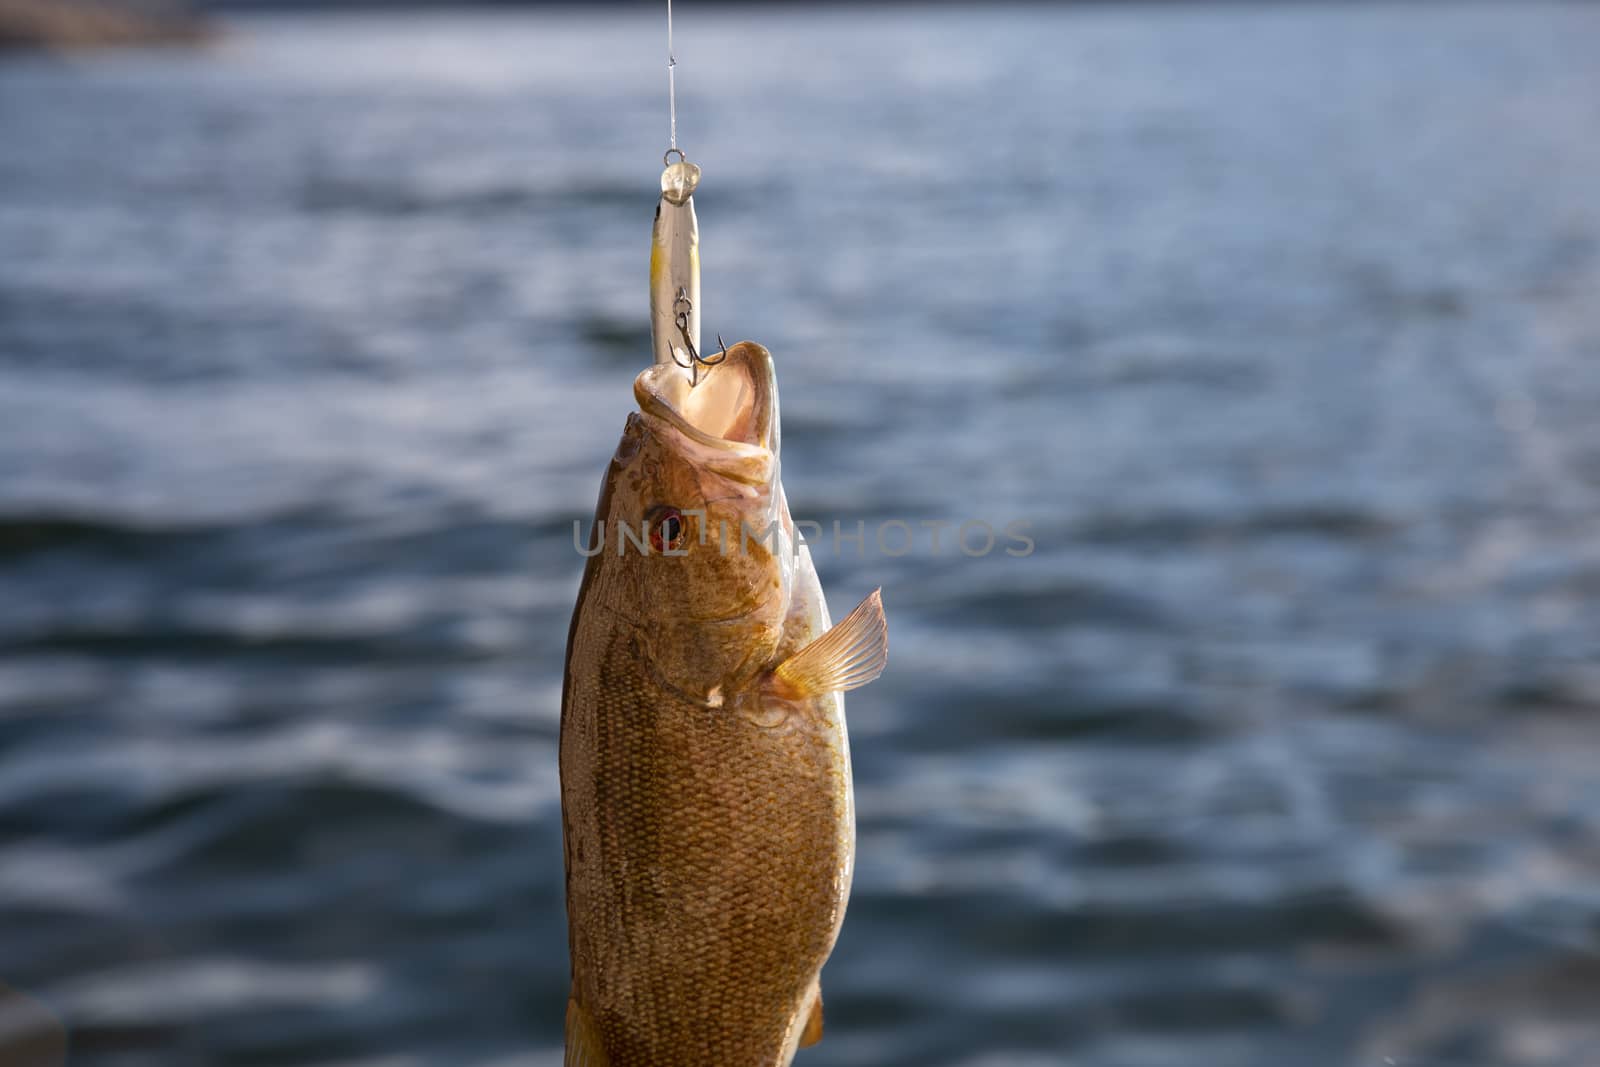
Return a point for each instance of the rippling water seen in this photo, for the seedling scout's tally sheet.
(1280, 326)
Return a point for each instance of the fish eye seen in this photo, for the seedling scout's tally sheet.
(666, 529)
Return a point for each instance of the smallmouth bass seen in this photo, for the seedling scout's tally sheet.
(707, 813)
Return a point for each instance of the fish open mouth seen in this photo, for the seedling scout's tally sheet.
(733, 408)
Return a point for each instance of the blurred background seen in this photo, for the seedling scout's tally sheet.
(1279, 323)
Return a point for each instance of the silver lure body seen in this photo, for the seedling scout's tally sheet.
(675, 268)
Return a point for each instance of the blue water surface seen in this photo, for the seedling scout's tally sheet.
(1278, 325)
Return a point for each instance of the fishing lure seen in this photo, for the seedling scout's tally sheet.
(675, 266)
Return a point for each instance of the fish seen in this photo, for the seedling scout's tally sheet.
(675, 311)
(708, 817)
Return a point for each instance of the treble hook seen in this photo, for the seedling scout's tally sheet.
(696, 360)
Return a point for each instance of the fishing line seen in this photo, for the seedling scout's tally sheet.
(672, 81)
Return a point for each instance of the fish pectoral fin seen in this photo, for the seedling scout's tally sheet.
(848, 656)
(813, 1031)
(583, 1039)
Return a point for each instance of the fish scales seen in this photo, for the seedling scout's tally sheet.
(707, 809)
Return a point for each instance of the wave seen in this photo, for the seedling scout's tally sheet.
(1180, 528)
(1044, 607)
(398, 199)
(1331, 916)
(143, 638)
(25, 535)
(1056, 713)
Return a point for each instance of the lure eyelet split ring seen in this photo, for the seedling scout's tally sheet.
(666, 157)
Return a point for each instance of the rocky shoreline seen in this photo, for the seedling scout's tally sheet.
(75, 24)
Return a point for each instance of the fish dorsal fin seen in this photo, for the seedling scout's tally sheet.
(583, 1039)
(813, 1031)
(848, 656)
